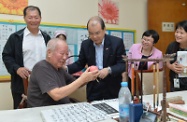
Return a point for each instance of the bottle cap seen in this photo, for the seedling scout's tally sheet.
(124, 84)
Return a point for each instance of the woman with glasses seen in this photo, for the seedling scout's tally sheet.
(146, 50)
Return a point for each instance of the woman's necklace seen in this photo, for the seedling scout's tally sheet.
(146, 52)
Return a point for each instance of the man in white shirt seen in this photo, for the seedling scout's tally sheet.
(23, 50)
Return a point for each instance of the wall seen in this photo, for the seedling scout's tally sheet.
(5, 96)
(132, 15)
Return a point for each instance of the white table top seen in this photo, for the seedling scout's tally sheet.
(33, 114)
(28, 114)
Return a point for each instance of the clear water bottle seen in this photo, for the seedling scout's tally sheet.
(124, 101)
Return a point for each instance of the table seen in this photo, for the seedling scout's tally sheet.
(29, 114)
(168, 94)
(33, 114)
(149, 98)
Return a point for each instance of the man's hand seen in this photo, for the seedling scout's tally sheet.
(23, 72)
(103, 73)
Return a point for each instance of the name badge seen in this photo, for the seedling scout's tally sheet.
(176, 83)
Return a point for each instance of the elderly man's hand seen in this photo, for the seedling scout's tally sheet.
(89, 76)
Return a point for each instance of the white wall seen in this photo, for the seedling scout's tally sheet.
(5, 96)
(132, 15)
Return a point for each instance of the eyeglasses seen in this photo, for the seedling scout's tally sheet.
(147, 40)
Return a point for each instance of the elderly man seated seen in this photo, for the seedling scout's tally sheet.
(49, 83)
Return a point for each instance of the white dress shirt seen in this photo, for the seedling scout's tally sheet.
(34, 48)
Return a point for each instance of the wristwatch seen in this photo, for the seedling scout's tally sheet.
(109, 70)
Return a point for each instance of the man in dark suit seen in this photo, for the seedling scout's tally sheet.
(105, 52)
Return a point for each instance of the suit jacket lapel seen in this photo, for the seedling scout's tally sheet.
(106, 51)
(92, 53)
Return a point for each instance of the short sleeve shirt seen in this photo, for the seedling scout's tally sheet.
(44, 78)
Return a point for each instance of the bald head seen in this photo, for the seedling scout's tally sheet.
(53, 43)
(96, 29)
(93, 21)
(57, 52)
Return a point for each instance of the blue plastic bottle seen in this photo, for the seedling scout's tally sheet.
(124, 101)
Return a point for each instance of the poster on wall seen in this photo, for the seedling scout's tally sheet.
(5, 31)
(108, 11)
(117, 34)
(14, 7)
(128, 38)
(75, 36)
(82, 35)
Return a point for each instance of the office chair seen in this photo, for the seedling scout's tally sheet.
(79, 95)
(148, 77)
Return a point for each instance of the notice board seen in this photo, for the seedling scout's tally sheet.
(75, 35)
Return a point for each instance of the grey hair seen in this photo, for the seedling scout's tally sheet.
(51, 45)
